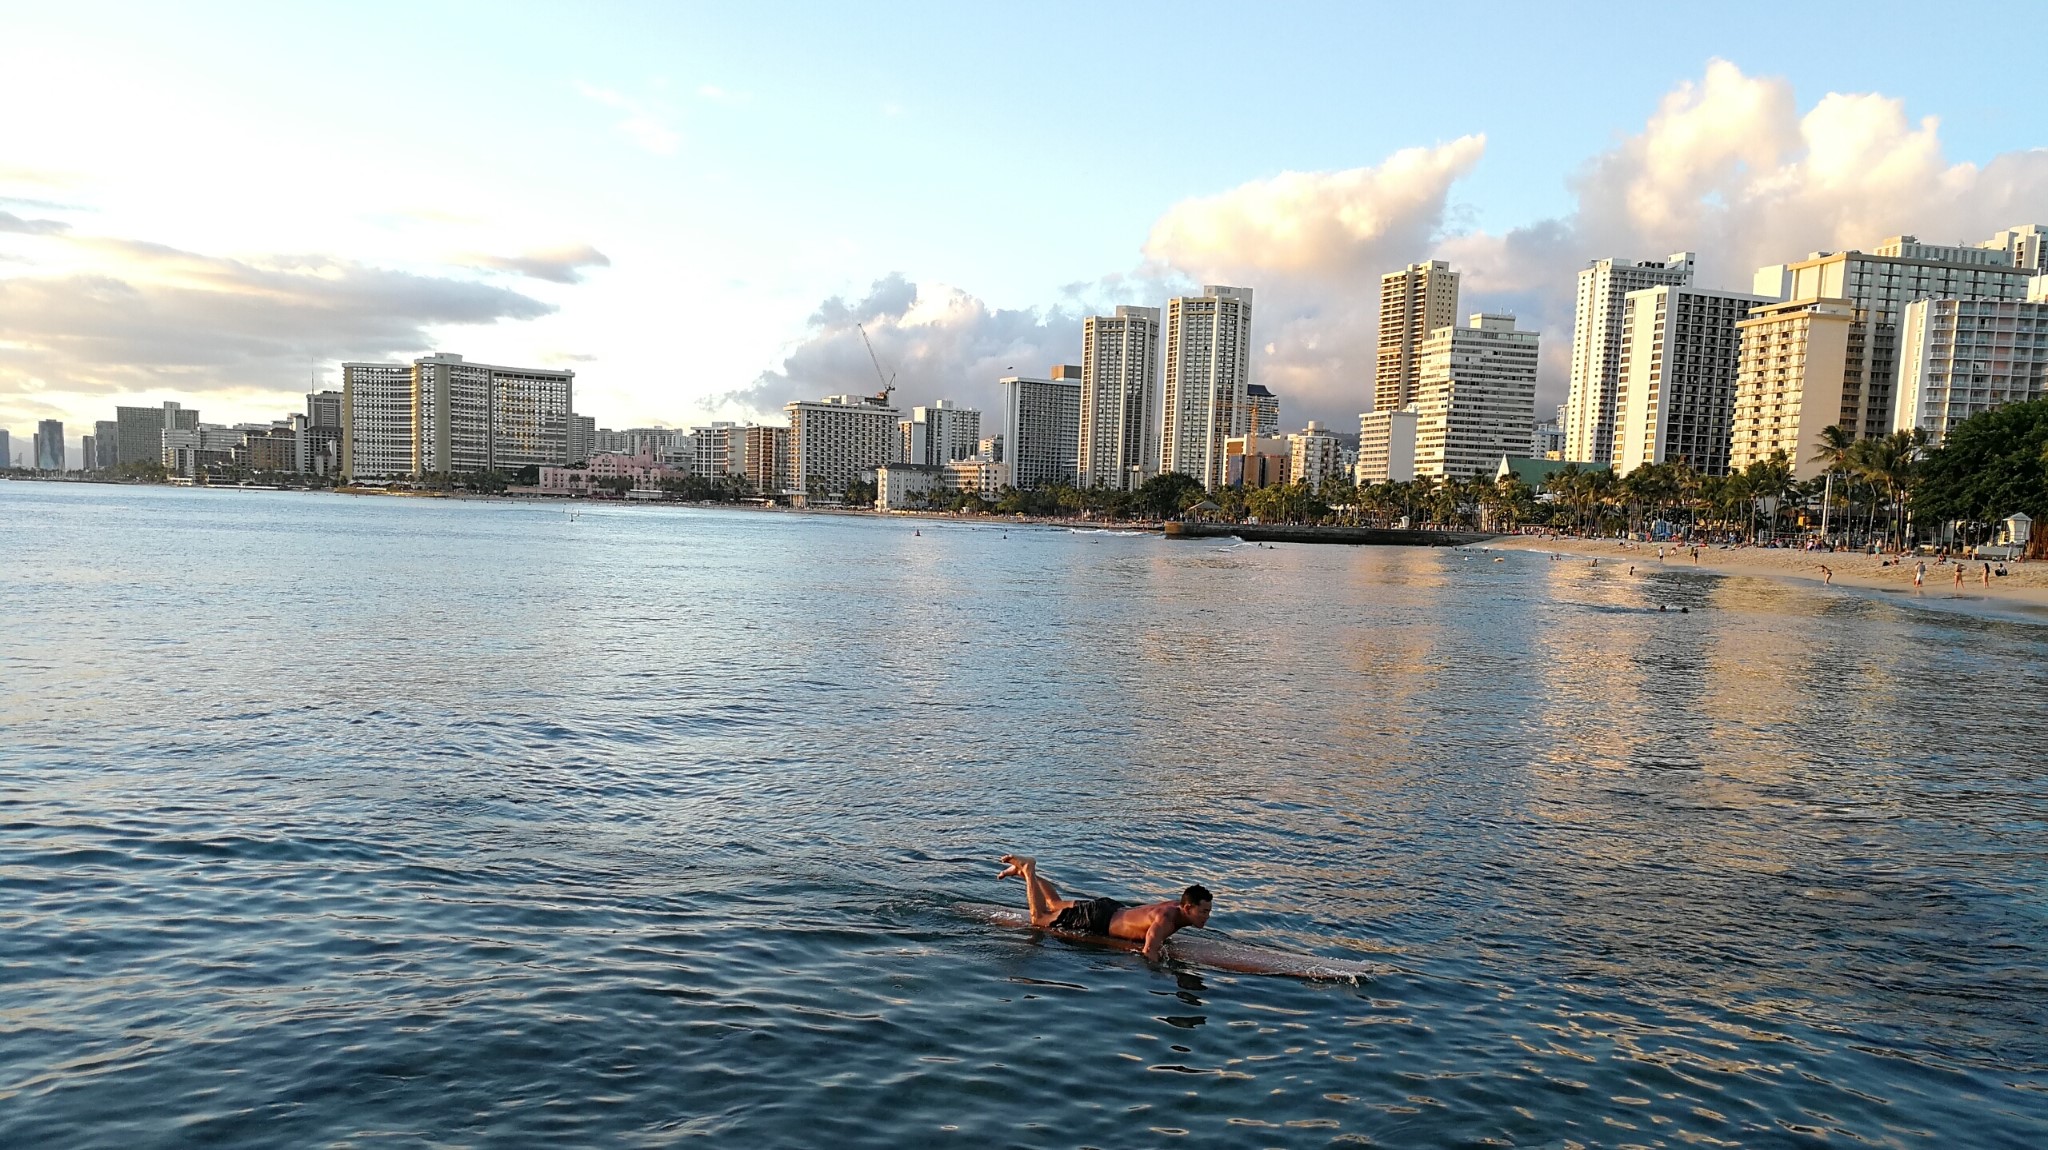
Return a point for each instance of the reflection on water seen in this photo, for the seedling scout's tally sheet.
(336, 819)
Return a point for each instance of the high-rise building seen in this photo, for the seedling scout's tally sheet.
(88, 453)
(6, 450)
(106, 438)
(766, 458)
(1042, 427)
(1265, 409)
(446, 415)
(671, 447)
(139, 431)
(1877, 286)
(1119, 444)
(940, 433)
(1208, 368)
(1414, 301)
(49, 445)
(1546, 438)
(1675, 396)
(834, 441)
(582, 435)
(189, 451)
(2025, 246)
(1475, 396)
(323, 409)
(1596, 347)
(471, 417)
(1386, 445)
(721, 450)
(1315, 455)
(1959, 358)
(1788, 384)
(376, 421)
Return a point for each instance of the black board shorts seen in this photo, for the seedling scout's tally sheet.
(1091, 917)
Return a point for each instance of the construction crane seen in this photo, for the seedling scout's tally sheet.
(888, 379)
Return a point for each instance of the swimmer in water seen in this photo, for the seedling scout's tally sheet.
(1150, 925)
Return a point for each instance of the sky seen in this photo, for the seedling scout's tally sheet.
(693, 205)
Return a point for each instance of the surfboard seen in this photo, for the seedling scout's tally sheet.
(1201, 950)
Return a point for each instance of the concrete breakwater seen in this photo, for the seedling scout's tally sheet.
(1354, 536)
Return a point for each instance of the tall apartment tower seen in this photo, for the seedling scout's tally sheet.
(1475, 397)
(49, 445)
(720, 450)
(376, 420)
(941, 432)
(106, 434)
(139, 431)
(1208, 368)
(1960, 358)
(6, 450)
(443, 414)
(1414, 301)
(1872, 290)
(581, 437)
(1265, 409)
(1042, 427)
(1788, 383)
(1119, 436)
(765, 457)
(833, 441)
(1596, 348)
(1675, 397)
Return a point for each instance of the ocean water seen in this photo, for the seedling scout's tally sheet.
(354, 821)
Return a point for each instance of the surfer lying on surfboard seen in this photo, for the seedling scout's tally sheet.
(1150, 925)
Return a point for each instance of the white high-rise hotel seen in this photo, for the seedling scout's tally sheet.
(1208, 367)
(1830, 352)
(1119, 445)
(832, 442)
(1596, 348)
(1675, 388)
(442, 414)
(1475, 396)
(1041, 427)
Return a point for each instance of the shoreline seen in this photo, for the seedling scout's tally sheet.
(2026, 585)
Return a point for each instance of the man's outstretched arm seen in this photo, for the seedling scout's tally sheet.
(1155, 937)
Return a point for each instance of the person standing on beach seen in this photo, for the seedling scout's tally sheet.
(1827, 575)
(1987, 574)
(1959, 576)
(1919, 574)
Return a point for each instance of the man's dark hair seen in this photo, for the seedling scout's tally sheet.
(1196, 894)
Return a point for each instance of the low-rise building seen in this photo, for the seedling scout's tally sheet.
(978, 474)
(907, 486)
(1257, 461)
(643, 472)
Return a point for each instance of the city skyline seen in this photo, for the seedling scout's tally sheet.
(681, 153)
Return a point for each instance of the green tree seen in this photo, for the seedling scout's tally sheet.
(1989, 466)
(1166, 495)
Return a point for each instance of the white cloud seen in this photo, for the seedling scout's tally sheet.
(562, 265)
(1727, 165)
(106, 317)
(937, 342)
(644, 124)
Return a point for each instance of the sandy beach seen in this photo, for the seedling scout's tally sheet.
(2026, 584)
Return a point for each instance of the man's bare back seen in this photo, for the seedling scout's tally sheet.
(1149, 925)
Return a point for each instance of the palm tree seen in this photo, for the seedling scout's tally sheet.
(1836, 446)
